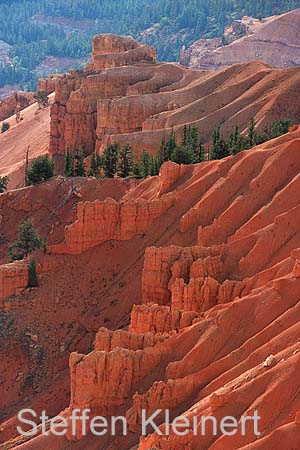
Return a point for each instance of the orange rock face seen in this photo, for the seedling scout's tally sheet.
(47, 84)
(98, 222)
(13, 279)
(8, 105)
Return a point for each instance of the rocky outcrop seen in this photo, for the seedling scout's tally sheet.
(159, 319)
(165, 266)
(103, 381)
(274, 40)
(18, 100)
(13, 279)
(102, 221)
(134, 339)
(110, 51)
(47, 84)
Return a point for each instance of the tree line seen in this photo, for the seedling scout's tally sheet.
(121, 161)
(165, 24)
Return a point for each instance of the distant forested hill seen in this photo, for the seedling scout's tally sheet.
(166, 24)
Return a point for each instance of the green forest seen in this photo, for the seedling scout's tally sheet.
(175, 23)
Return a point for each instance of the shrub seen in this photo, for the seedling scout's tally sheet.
(4, 127)
(3, 184)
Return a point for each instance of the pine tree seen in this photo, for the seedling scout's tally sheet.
(80, 166)
(185, 136)
(69, 164)
(224, 149)
(32, 274)
(199, 155)
(170, 147)
(162, 151)
(183, 155)
(146, 162)
(125, 165)
(42, 169)
(137, 170)
(28, 241)
(251, 133)
(215, 150)
(3, 184)
(110, 160)
(96, 163)
(194, 140)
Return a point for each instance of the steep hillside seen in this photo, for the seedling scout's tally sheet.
(274, 40)
(195, 274)
(32, 131)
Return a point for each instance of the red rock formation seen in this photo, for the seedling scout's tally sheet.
(98, 222)
(13, 279)
(159, 319)
(47, 84)
(110, 51)
(8, 105)
(107, 340)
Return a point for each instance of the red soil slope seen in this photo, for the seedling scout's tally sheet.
(32, 131)
(209, 255)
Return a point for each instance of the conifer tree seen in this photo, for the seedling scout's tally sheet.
(110, 160)
(95, 164)
(3, 184)
(69, 164)
(28, 241)
(42, 169)
(251, 133)
(80, 166)
(125, 165)
(146, 162)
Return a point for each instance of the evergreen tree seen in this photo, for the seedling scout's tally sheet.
(216, 138)
(137, 170)
(96, 163)
(28, 241)
(42, 169)
(183, 155)
(185, 136)
(170, 147)
(80, 166)
(194, 140)
(4, 127)
(32, 274)
(125, 165)
(69, 164)
(199, 155)
(251, 133)
(224, 149)
(146, 162)
(3, 184)
(110, 160)
(42, 99)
